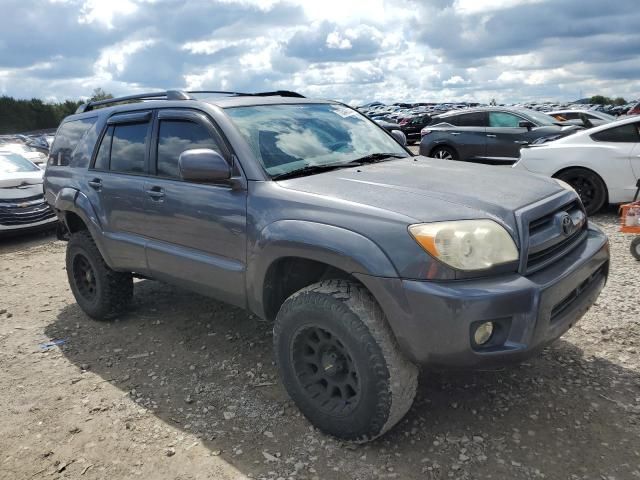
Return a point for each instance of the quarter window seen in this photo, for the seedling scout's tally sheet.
(627, 133)
(176, 136)
(67, 138)
(502, 119)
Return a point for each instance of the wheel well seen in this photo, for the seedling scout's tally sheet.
(445, 145)
(289, 274)
(606, 188)
(74, 222)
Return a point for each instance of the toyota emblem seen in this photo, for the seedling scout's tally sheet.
(567, 224)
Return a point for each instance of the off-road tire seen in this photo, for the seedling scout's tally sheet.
(112, 291)
(443, 153)
(635, 248)
(386, 379)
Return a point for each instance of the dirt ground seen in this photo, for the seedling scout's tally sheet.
(184, 387)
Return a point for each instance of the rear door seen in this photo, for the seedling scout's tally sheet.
(196, 232)
(505, 137)
(116, 182)
(468, 136)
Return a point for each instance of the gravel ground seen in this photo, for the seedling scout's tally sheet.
(184, 387)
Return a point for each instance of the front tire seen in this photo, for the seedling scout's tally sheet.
(635, 248)
(588, 185)
(101, 292)
(443, 153)
(340, 362)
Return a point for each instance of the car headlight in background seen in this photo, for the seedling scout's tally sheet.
(466, 244)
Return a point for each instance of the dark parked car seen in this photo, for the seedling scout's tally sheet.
(488, 135)
(412, 127)
(368, 261)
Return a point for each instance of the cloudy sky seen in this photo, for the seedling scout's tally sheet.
(351, 50)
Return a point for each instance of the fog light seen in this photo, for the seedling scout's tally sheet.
(483, 333)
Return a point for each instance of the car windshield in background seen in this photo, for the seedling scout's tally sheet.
(541, 118)
(288, 138)
(13, 163)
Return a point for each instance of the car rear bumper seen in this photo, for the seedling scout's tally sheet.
(434, 321)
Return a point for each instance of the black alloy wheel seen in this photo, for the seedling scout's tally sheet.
(85, 277)
(326, 371)
(588, 185)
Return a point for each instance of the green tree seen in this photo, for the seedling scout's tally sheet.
(99, 94)
(619, 101)
(600, 100)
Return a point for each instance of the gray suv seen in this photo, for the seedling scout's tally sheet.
(492, 135)
(368, 261)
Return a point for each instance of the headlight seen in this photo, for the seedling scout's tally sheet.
(466, 244)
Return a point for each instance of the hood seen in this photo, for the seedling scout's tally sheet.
(429, 190)
(20, 185)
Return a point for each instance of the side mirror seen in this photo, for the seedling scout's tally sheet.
(525, 124)
(203, 165)
(400, 137)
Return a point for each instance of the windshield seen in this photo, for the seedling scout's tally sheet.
(542, 119)
(286, 138)
(13, 163)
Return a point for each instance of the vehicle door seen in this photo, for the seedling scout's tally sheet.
(468, 136)
(115, 187)
(196, 231)
(505, 137)
(635, 152)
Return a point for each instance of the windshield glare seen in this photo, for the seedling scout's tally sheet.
(13, 163)
(285, 138)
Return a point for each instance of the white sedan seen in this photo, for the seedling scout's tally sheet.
(602, 164)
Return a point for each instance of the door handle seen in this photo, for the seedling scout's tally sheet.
(491, 135)
(454, 133)
(521, 142)
(96, 184)
(156, 193)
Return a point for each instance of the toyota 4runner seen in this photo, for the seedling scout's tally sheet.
(369, 262)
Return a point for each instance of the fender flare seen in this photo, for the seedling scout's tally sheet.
(74, 201)
(341, 248)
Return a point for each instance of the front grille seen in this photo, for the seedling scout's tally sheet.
(547, 240)
(24, 211)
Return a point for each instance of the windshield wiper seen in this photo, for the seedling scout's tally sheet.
(375, 157)
(308, 170)
(311, 169)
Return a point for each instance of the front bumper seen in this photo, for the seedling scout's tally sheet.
(433, 321)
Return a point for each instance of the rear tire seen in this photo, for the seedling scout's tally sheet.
(635, 248)
(340, 362)
(443, 153)
(101, 292)
(590, 187)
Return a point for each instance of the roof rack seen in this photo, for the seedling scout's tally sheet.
(168, 95)
(179, 95)
(275, 93)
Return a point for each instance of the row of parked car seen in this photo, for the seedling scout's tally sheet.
(23, 159)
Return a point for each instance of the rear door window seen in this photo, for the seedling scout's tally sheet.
(474, 119)
(623, 134)
(503, 119)
(176, 136)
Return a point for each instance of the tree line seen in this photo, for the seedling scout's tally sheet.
(19, 116)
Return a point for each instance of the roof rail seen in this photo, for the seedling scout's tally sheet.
(167, 95)
(180, 95)
(278, 93)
